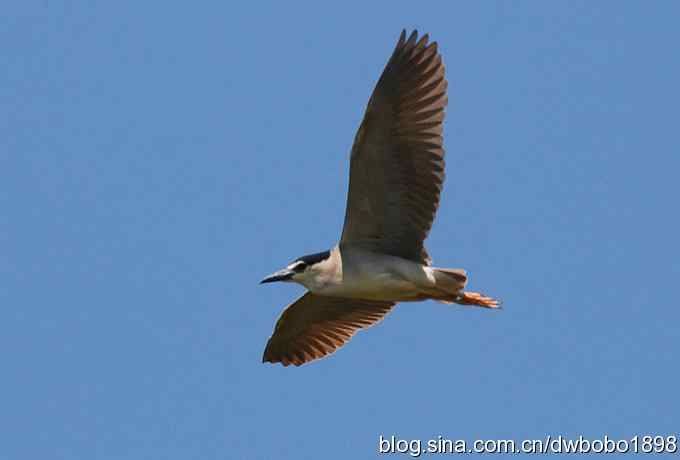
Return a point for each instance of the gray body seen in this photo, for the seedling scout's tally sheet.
(396, 177)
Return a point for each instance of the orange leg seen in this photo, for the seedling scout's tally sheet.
(475, 298)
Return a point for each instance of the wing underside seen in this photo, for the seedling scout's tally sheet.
(315, 326)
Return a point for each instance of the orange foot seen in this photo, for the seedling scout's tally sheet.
(475, 298)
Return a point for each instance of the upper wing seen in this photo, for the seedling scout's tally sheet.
(397, 162)
(315, 326)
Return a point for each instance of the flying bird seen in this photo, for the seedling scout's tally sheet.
(396, 177)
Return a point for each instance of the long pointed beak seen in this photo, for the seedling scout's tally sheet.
(281, 275)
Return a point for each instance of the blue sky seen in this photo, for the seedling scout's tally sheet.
(158, 159)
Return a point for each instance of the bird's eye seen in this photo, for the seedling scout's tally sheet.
(300, 268)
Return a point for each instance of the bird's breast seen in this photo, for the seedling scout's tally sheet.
(376, 277)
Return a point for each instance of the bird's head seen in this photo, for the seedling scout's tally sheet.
(305, 270)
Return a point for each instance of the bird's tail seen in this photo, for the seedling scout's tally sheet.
(449, 289)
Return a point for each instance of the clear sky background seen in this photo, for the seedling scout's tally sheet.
(158, 159)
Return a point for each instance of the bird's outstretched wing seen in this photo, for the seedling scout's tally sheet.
(315, 326)
(397, 161)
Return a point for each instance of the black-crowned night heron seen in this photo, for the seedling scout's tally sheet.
(396, 176)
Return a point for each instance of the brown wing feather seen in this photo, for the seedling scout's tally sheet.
(315, 326)
(397, 162)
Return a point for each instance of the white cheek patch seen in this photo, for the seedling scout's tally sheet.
(295, 266)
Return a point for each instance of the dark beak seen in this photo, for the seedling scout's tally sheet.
(281, 275)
